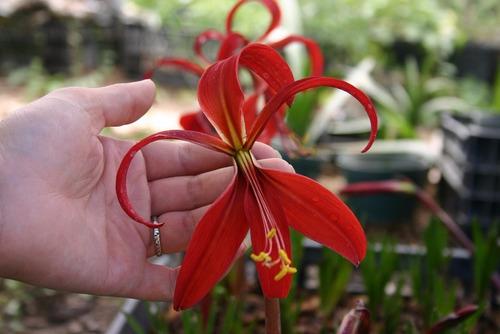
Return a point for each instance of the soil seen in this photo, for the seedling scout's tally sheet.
(62, 313)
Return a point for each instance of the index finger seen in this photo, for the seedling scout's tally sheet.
(170, 158)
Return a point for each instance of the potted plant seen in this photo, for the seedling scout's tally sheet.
(410, 107)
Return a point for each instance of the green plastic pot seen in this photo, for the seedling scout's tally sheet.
(383, 209)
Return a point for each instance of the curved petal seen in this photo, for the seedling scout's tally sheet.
(230, 45)
(307, 83)
(271, 5)
(202, 39)
(221, 97)
(268, 64)
(315, 54)
(201, 139)
(315, 212)
(177, 62)
(270, 286)
(213, 246)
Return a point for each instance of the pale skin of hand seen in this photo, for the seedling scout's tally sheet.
(61, 226)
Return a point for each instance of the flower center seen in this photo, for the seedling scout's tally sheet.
(274, 240)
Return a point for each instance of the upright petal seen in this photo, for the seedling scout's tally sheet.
(268, 64)
(315, 212)
(213, 246)
(230, 45)
(220, 94)
(221, 98)
(271, 6)
(175, 62)
(202, 39)
(315, 54)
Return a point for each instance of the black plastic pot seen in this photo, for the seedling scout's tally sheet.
(470, 163)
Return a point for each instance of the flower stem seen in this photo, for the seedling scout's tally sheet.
(273, 319)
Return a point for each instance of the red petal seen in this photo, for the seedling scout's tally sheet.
(177, 62)
(219, 91)
(197, 121)
(221, 98)
(268, 64)
(271, 5)
(301, 85)
(357, 321)
(213, 246)
(230, 45)
(201, 139)
(453, 319)
(250, 109)
(202, 39)
(315, 212)
(270, 287)
(315, 54)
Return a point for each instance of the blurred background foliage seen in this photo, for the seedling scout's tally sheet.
(348, 30)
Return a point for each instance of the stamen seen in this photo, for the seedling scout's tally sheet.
(274, 242)
(285, 270)
(262, 257)
(284, 256)
(271, 233)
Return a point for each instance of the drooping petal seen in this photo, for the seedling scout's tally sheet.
(213, 246)
(271, 5)
(176, 62)
(315, 212)
(307, 83)
(201, 139)
(315, 54)
(271, 287)
(453, 319)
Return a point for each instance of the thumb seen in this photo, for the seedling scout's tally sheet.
(114, 105)
(122, 104)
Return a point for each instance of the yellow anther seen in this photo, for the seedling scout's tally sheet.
(257, 258)
(262, 257)
(284, 256)
(285, 270)
(271, 233)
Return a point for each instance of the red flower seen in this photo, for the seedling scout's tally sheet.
(229, 43)
(263, 201)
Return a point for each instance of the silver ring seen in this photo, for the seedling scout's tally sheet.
(156, 237)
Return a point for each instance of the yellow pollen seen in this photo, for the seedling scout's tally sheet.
(271, 233)
(285, 270)
(284, 256)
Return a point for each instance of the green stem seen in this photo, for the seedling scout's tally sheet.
(273, 318)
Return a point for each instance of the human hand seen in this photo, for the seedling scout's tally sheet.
(61, 225)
